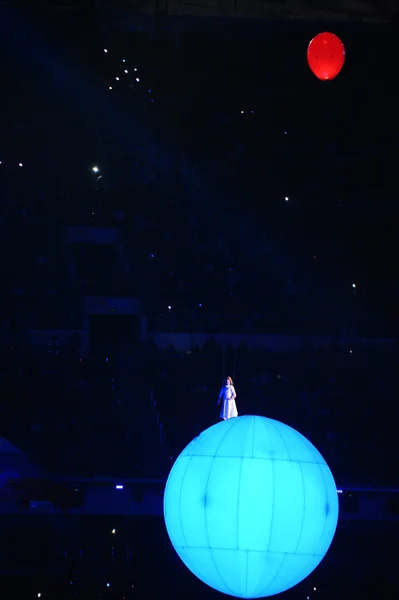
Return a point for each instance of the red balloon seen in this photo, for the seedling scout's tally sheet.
(326, 55)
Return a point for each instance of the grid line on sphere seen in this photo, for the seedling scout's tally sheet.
(273, 502)
(260, 590)
(303, 506)
(281, 438)
(273, 506)
(322, 471)
(259, 587)
(265, 423)
(305, 570)
(246, 576)
(303, 488)
(287, 460)
(304, 573)
(253, 438)
(180, 494)
(206, 520)
(238, 501)
(277, 552)
(253, 453)
(276, 574)
(238, 515)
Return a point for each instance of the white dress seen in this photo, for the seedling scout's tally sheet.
(229, 407)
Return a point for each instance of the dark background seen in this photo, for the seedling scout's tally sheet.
(336, 163)
(195, 161)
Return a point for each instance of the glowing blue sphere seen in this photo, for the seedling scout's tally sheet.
(251, 507)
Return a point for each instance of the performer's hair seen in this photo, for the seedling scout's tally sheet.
(231, 379)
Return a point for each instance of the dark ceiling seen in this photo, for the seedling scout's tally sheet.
(313, 10)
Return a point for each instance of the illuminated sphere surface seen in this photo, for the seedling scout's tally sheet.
(251, 507)
(326, 56)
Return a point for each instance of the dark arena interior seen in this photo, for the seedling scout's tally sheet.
(182, 200)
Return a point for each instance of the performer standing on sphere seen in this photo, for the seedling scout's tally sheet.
(228, 398)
